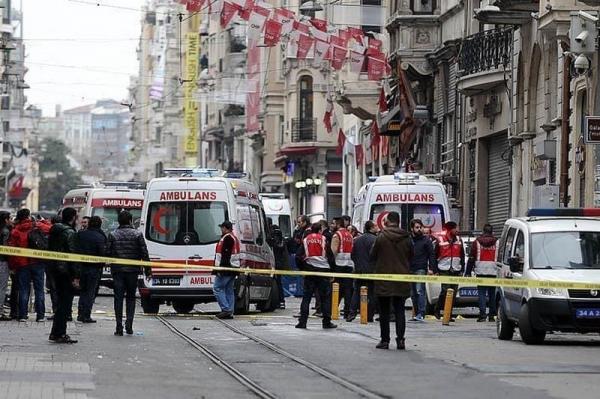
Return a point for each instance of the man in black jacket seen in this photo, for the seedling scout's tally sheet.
(127, 243)
(421, 264)
(4, 271)
(361, 257)
(64, 274)
(90, 241)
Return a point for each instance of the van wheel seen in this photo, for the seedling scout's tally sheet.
(272, 302)
(150, 305)
(242, 302)
(505, 328)
(529, 334)
(183, 306)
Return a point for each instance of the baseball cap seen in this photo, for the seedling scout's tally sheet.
(227, 224)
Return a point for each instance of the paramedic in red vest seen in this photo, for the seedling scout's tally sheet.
(483, 259)
(313, 256)
(341, 246)
(227, 255)
(450, 256)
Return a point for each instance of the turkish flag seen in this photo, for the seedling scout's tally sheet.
(356, 62)
(272, 32)
(338, 57)
(385, 146)
(341, 141)
(360, 154)
(375, 69)
(319, 24)
(328, 115)
(229, 11)
(375, 137)
(382, 101)
(194, 5)
(304, 44)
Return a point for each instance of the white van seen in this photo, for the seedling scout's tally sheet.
(106, 200)
(180, 222)
(278, 210)
(549, 244)
(413, 196)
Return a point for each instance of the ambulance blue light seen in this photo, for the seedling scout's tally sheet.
(564, 212)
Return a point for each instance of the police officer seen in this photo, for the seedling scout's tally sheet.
(313, 257)
(450, 261)
(483, 258)
(341, 246)
(227, 255)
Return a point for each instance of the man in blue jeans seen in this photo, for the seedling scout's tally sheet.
(227, 255)
(423, 259)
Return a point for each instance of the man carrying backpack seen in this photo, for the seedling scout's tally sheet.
(29, 233)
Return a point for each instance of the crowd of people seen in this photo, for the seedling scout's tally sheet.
(65, 279)
(340, 247)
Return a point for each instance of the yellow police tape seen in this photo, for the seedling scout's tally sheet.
(410, 278)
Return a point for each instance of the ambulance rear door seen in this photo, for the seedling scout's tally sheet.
(108, 203)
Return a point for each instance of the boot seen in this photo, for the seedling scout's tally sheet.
(129, 327)
(400, 344)
(119, 330)
(383, 345)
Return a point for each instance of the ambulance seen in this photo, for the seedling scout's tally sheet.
(180, 222)
(278, 210)
(413, 196)
(106, 199)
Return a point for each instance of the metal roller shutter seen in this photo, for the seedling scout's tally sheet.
(499, 181)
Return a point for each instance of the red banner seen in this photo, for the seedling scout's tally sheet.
(341, 141)
(375, 69)
(253, 97)
(194, 5)
(321, 49)
(302, 28)
(272, 32)
(229, 11)
(382, 102)
(356, 33)
(319, 24)
(304, 44)
(375, 137)
(375, 44)
(356, 62)
(338, 57)
(360, 154)
(247, 9)
(286, 18)
(256, 23)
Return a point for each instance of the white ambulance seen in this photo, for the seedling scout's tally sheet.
(106, 199)
(413, 196)
(278, 210)
(180, 221)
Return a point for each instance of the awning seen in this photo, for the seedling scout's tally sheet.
(297, 151)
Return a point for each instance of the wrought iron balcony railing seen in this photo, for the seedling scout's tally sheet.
(486, 50)
(304, 130)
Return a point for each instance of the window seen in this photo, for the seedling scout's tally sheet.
(423, 6)
(110, 217)
(510, 238)
(306, 98)
(520, 246)
(566, 250)
(250, 226)
(432, 216)
(185, 223)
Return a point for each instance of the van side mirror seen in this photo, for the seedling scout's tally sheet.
(515, 264)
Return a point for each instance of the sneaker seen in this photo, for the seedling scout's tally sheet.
(23, 319)
(383, 345)
(351, 317)
(50, 318)
(89, 320)
(5, 318)
(282, 305)
(329, 325)
(224, 315)
(40, 319)
(318, 314)
(480, 319)
(80, 318)
(296, 315)
(65, 339)
(491, 318)
(301, 325)
(419, 319)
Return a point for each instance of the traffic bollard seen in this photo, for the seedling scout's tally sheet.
(364, 305)
(335, 301)
(448, 307)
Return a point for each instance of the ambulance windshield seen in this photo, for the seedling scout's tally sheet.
(110, 217)
(432, 215)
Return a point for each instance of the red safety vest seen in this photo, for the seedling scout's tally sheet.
(449, 253)
(315, 250)
(343, 257)
(485, 260)
(235, 251)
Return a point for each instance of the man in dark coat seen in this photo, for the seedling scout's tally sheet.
(90, 241)
(362, 264)
(127, 243)
(64, 274)
(391, 254)
(5, 226)
(422, 263)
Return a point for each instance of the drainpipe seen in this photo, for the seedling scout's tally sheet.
(564, 132)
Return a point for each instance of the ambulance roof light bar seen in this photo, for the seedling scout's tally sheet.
(563, 212)
(123, 184)
(406, 178)
(271, 195)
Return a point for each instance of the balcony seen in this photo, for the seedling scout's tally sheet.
(304, 130)
(518, 5)
(483, 58)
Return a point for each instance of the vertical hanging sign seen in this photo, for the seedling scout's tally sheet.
(192, 53)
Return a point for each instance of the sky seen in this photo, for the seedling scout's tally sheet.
(78, 52)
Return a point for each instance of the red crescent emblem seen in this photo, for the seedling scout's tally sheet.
(156, 220)
(381, 218)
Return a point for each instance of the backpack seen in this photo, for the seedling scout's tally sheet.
(37, 239)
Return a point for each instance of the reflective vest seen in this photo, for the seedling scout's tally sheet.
(485, 260)
(343, 257)
(235, 251)
(449, 254)
(315, 249)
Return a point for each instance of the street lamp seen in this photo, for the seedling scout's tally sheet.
(308, 181)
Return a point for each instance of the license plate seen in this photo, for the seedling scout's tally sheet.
(166, 280)
(587, 313)
(466, 292)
